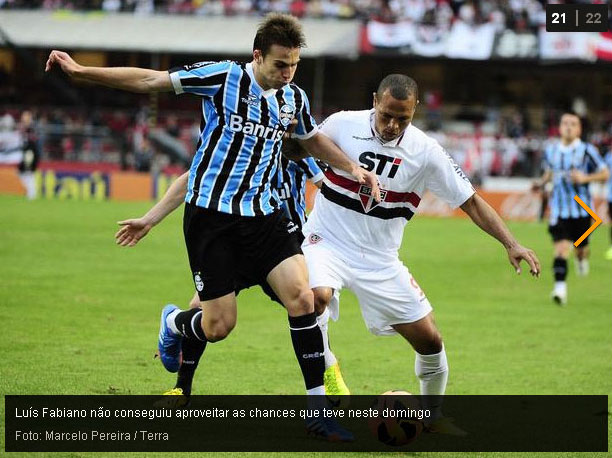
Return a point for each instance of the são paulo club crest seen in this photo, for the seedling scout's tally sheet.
(367, 201)
(287, 112)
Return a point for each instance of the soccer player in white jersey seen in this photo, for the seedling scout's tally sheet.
(570, 165)
(352, 241)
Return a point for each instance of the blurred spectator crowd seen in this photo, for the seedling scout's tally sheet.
(509, 14)
(501, 145)
(114, 136)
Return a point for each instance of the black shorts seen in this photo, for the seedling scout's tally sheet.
(610, 210)
(570, 229)
(232, 252)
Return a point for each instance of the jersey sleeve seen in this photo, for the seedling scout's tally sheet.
(594, 161)
(608, 159)
(311, 169)
(331, 126)
(306, 125)
(445, 178)
(203, 78)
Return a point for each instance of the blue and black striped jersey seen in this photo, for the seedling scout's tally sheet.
(291, 186)
(561, 160)
(240, 135)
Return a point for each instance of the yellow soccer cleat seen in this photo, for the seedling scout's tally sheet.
(334, 383)
(445, 425)
(336, 390)
(608, 254)
(173, 399)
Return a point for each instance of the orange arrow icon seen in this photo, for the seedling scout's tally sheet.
(593, 215)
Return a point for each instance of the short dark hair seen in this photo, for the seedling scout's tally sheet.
(570, 113)
(400, 87)
(279, 29)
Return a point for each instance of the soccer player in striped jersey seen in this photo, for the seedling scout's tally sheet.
(608, 159)
(352, 240)
(295, 170)
(291, 186)
(570, 164)
(231, 213)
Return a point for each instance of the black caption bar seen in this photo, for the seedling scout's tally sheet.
(577, 18)
(277, 423)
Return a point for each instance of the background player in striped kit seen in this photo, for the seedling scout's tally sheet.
(291, 186)
(571, 165)
(232, 212)
(608, 159)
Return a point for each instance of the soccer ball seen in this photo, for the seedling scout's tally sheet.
(394, 424)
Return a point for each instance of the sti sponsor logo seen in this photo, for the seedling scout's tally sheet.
(367, 201)
(238, 124)
(378, 162)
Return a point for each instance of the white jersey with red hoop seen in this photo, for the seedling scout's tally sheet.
(345, 212)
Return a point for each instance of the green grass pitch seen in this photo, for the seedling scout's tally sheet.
(80, 315)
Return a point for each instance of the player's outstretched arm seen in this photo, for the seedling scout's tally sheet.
(326, 150)
(489, 221)
(540, 182)
(132, 230)
(579, 177)
(131, 79)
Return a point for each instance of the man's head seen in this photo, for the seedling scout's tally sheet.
(276, 50)
(570, 127)
(395, 102)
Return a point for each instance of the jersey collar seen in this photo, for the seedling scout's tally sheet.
(391, 144)
(569, 147)
(249, 70)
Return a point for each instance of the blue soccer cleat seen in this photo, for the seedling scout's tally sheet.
(169, 343)
(328, 429)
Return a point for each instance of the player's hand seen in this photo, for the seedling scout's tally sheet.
(519, 253)
(536, 186)
(132, 230)
(578, 177)
(368, 178)
(64, 61)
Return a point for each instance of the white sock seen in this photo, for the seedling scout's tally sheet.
(432, 371)
(322, 320)
(561, 286)
(316, 391)
(170, 321)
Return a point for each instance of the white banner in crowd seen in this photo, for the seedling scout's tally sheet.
(482, 42)
(512, 45)
(470, 42)
(462, 42)
(430, 41)
(395, 35)
(568, 45)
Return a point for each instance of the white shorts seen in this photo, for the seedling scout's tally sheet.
(386, 296)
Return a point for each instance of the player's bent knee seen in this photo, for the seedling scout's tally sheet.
(322, 297)
(430, 345)
(218, 329)
(218, 332)
(301, 304)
